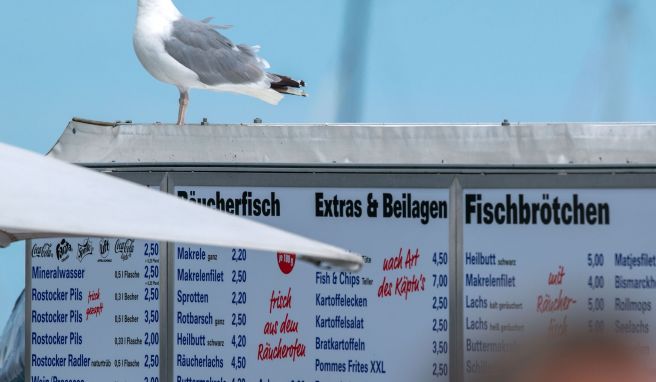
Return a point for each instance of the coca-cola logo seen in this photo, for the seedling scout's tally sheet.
(125, 248)
(62, 250)
(44, 250)
(83, 250)
(286, 262)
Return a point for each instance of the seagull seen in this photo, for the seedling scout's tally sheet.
(192, 54)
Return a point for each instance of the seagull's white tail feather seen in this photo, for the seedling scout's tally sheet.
(292, 91)
(270, 90)
(258, 91)
(269, 96)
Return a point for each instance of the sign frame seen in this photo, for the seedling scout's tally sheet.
(148, 179)
(554, 179)
(327, 179)
(455, 180)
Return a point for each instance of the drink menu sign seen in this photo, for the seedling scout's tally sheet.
(241, 315)
(94, 310)
(554, 262)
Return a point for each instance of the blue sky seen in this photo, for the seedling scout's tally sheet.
(427, 61)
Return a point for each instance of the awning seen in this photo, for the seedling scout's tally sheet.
(42, 197)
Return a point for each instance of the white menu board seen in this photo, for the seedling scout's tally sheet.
(93, 308)
(243, 315)
(553, 262)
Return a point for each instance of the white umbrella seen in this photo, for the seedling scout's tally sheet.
(43, 197)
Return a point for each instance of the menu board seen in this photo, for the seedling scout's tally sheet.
(93, 309)
(555, 262)
(242, 315)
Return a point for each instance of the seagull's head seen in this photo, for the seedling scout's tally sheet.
(162, 7)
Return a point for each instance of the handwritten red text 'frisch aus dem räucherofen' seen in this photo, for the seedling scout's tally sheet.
(288, 326)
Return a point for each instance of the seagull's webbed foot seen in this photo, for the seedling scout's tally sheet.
(184, 101)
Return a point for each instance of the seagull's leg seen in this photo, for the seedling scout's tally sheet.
(184, 101)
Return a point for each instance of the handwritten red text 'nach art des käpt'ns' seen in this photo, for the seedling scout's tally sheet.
(403, 285)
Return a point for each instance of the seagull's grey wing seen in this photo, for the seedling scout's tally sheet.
(212, 56)
(207, 21)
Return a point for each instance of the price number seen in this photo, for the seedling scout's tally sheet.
(440, 369)
(440, 281)
(151, 361)
(151, 271)
(238, 276)
(440, 258)
(239, 319)
(596, 326)
(596, 304)
(151, 294)
(440, 303)
(440, 325)
(595, 260)
(151, 338)
(151, 316)
(238, 362)
(596, 282)
(238, 255)
(440, 347)
(238, 341)
(151, 249)
(238, 298)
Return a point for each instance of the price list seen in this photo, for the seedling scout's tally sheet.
(94, 310)
(553, 263)
(256, 316)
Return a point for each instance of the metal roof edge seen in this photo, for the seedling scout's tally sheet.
(531, 144)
